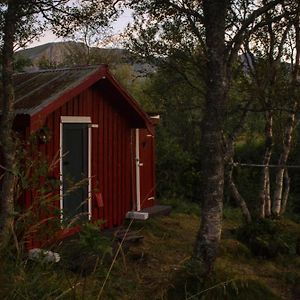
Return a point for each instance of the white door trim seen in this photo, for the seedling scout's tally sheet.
(76, 119)
(137, 169)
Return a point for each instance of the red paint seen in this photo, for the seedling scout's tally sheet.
(113, 175)
(147, 170)
(99, 199)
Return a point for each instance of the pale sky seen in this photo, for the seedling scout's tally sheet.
(118, 27)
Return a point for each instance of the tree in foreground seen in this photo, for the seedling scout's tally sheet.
(215, 30)
(22, 21)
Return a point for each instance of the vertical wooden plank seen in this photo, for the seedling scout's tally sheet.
(82, 104)
(153, 164)
(119, 174)
(70, 108)
(63, 110)
(95, 152)
(132, 149)
(101, 155)
(117, 177)
(83, 99)
(90, 102)
(143, 180)
(76, 106)
(56, 149)
(94, 209)
(128, 177)
(110, 167)
(125, 195)
(115, 150)
(121, 171)
(146, 155)
(105, 163)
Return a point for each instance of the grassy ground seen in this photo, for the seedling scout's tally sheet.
(153, 267)
(157, 268)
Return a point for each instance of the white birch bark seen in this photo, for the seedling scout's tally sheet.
(278, 192)
(264, 195)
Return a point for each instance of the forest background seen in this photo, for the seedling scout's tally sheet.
(239, 127)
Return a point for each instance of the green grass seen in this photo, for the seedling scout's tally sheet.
(159, 268)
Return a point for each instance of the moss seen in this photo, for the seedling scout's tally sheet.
(249, 289)
(180, 205)
(234, 248)
(159, 268)
(219, 287)
(268, 238)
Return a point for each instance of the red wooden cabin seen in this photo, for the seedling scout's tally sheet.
(100, 133)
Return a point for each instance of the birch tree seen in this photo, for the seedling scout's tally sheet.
(218, 29)
(272, 72)
(20, 22)
(282, 181)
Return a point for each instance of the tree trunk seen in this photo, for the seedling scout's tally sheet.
(8, 146)
(240, 201)
(286, 188)
(280, 200)
(268, 201)
(279, 181)
(264, 208)
(209, 234)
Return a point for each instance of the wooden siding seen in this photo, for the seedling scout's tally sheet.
(111, 151)
(147, 170)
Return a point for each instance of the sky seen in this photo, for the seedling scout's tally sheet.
(118, 27)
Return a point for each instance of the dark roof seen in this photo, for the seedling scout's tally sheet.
(35, 90)
(39, 93)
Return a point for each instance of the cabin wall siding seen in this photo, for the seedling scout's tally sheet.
(147, 171)
(111, 152)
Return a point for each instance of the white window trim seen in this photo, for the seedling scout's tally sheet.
(84, 120)
(75, 119)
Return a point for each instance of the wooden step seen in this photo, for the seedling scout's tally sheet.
(130, 236)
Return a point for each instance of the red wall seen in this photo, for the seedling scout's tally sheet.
(147, 171)
(111, 151)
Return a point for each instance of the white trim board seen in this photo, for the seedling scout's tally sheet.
(75, 119)
(137, 169)
(84, 120)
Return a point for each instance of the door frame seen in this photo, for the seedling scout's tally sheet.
(138, 164)
(78, 120)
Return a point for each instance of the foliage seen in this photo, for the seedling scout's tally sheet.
(91, 238)
(80, 54)
(216, 289)
(181, 205)
(247, 178)
(267, 238)
(21, 63)
(30, 280)
(177, 136)
(154, 269)
(44, 63)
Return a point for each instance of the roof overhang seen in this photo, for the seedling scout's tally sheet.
(38, 114)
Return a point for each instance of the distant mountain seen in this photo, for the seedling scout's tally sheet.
(63, 54)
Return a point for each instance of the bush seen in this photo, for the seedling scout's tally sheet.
(84, 252)
(180, 205)
(267, 238)
(189, 284)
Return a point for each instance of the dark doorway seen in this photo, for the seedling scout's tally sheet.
(75, 170)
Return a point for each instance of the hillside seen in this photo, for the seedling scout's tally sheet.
(65, 54)
(56, 52)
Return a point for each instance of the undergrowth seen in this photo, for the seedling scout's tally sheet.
(157, 268)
